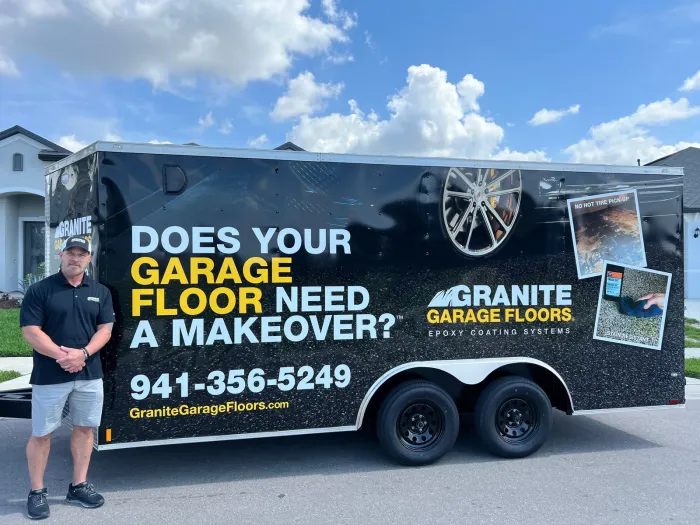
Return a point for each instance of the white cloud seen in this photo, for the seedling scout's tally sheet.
(340, 59)
(207, 121)
(37, 8)
(691, 83)
(653, 23)
(161, 40)
(428, 117)
(624, 150)
(7, 66)
(681, 42)
(530, 156)
(188, 82)
(330, 8)
(469, 89)
(660, 112)
(71, 143)
(368, 40)
(304, 96)
(255, 113)
(86, 130)
(258, 142)
(226, 127)
(624, 140)
(547, 116)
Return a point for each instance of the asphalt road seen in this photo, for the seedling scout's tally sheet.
(636, 467)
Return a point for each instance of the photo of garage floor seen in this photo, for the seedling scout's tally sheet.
(630, 327)
(606, 228)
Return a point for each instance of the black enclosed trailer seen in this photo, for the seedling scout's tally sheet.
(270, 293)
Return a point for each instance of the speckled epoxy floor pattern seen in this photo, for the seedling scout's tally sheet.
(612, 324)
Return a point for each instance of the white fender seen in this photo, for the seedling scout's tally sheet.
(467, 371)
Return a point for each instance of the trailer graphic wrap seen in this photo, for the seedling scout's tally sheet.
(72, 197)
(244, 314)
(518, 304)
(259, 295)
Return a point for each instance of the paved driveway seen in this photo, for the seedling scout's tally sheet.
(636, 467)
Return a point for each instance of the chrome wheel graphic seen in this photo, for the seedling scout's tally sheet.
(479, 208)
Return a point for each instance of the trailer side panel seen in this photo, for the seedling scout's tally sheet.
(270, 295)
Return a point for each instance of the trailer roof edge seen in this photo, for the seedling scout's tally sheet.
(205, 151)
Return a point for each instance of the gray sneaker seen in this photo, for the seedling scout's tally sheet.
(37, 505)
(84, 494)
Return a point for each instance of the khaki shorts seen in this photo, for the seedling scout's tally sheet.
(84, 400)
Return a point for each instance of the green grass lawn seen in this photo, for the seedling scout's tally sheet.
(12, 344)
(692, 367)
(692, 333)
(6, 375)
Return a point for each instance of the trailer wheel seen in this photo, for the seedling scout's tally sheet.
(513, 417)
(417, 423)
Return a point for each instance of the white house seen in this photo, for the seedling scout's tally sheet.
(689, 160)
(23, 157)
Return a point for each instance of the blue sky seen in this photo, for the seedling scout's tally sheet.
(225, 73)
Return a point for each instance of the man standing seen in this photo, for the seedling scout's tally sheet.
(66, 318)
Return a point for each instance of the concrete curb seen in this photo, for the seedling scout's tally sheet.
(692, 388)
(23, 365)
(16, 383)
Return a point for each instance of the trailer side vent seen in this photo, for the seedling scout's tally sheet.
(174, 179)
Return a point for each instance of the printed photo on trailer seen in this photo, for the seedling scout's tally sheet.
(606, 227)
(632, 305)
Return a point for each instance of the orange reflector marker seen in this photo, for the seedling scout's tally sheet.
(108, 434)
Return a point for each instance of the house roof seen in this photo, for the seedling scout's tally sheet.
(51, 156)
(51, 147)
(290, 146)
(689, 160)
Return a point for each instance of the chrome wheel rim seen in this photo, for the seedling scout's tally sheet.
(479, 208)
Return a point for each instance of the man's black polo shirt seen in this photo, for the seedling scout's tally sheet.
(69, 316)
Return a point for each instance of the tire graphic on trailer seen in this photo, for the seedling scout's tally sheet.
(480, 207)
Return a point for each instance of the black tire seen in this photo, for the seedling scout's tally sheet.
(513, 417)
(417, 423)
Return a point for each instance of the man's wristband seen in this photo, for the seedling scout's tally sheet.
(87, 354)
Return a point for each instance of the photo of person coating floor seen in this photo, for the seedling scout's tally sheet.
(606, 227)
(632, 305)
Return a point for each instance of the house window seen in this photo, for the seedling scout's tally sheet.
(17, 162)
(33, 248)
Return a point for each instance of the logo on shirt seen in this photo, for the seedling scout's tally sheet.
(96, 299)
